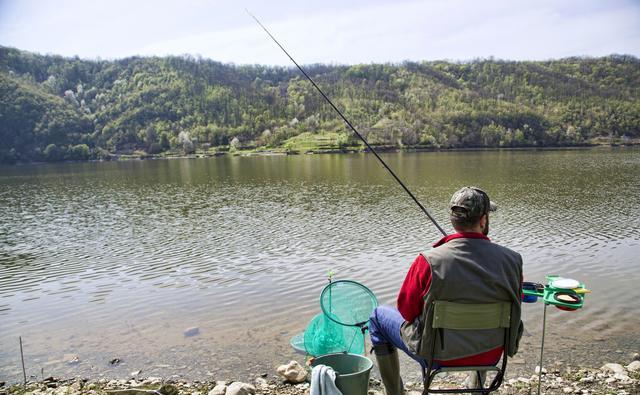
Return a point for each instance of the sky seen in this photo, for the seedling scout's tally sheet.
(324, 31)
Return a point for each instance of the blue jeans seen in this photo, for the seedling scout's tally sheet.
(384, 328)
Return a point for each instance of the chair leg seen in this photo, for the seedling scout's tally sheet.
(481, 377)
(475, 380)
(425, 384)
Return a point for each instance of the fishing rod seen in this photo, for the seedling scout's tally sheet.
(369, 147)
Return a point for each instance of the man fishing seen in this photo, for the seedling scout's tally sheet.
(464, 267)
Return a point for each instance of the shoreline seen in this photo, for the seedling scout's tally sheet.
(199, 154)
(612, 378)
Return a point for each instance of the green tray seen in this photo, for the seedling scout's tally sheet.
(532, 292)
(549, 294)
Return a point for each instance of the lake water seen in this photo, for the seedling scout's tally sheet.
(116, 260)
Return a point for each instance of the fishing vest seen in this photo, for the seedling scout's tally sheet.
(467, 270)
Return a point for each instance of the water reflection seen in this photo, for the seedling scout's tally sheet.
(110, 255)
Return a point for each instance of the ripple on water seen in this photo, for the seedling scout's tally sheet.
(148, 249)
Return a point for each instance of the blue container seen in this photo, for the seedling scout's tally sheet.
(529, 287)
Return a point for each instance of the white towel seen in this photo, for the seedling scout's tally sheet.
(323, 381)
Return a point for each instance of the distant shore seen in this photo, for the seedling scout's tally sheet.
(225, 152)
(312, 149)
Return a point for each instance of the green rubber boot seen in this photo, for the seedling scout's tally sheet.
(389, 366)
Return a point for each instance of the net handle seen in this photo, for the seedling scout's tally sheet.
(329, 287)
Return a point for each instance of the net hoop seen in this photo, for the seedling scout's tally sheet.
(356, 293)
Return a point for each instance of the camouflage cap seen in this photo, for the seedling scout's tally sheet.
(470, 203)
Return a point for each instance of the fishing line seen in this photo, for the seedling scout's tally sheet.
(369, 147)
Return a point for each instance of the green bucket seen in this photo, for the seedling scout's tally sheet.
(352, 371)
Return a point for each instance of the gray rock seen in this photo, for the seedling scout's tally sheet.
(567, 390)
(193, 331)
(293, 372)
(636, 357)
(76, 386)
(62, 390)
(634, 366)
(152, 380)
(219, 389)
(623, 377)
(261, 383)
(168, 389)
(614, 367)
(238, 388)
(71, 359)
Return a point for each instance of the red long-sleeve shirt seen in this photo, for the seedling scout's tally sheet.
(416, 285)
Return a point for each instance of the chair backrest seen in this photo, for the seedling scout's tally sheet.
(465, 316)
(471, 317)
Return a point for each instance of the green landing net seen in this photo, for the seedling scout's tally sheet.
(346, 306)
(348, 303)
(324, 336)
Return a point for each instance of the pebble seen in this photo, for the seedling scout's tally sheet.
(168, 389)
(152, 380)
(636, 357)
(218, 390)
(261, 383)
(544, 370)
(239, 388)
(567, 390)
(193, 331)
(614, 367)
(293, 372)
(71, 359)
(634, 366)
(622, 377)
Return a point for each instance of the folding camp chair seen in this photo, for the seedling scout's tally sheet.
(468, 317)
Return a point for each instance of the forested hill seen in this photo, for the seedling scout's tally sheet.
(55, 108)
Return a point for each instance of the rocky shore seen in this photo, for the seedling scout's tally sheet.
(611, 378)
